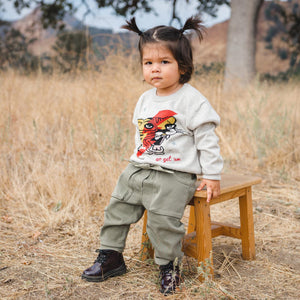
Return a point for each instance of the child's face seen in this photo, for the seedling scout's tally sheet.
(160, 69)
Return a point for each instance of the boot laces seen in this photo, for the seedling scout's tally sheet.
(170, 271)
(102, 256)
(167, 268)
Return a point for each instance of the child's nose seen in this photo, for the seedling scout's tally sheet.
(155, 68)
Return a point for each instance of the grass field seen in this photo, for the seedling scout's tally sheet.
(64, 139)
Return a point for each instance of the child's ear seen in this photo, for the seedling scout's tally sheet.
(182, 72)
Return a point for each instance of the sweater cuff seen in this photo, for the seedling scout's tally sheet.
(212, 177)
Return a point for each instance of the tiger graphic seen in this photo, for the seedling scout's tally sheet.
(154, 131)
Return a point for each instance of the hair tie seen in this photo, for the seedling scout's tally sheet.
(131, 26)
(181, 31)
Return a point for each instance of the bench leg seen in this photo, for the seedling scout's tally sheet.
(147, 250)
(203, 234)
(191, 226)
(247, 227)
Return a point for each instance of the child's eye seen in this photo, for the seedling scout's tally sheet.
(147, 63)
(165, 62)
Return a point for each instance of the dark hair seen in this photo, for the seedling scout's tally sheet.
(174, 39)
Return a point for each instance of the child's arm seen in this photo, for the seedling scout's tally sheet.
(212, 187)
(203, 122)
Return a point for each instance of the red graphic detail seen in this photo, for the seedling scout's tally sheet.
(152, 127)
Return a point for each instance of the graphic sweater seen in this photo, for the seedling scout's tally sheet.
(177, 132)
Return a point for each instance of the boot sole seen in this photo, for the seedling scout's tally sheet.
(116, 272)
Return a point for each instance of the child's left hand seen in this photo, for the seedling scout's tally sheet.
(212, 187)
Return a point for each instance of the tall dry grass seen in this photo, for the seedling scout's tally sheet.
(64, 139)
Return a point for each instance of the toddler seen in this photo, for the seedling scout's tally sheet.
(175, 140)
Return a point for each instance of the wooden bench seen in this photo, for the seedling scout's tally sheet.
(197, 242)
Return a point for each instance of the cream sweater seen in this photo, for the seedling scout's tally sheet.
(177, 132)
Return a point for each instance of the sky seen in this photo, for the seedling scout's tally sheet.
(105, 18)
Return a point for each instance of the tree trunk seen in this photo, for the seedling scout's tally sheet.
(241, 42)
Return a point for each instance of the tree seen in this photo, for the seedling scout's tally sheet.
(240, 62)
(241, 42)
(285, 20)
(72, 50)
(14, 52)
(52, 13)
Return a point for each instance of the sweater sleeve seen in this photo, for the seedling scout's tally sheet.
(134, 122)
(203, 122)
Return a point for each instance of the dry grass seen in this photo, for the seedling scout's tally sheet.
(65, 139)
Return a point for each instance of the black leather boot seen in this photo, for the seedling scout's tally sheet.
(170, 278)
(109, 263)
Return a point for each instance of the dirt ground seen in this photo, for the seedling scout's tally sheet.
(48, 265)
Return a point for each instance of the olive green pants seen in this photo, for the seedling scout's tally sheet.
(164, 194)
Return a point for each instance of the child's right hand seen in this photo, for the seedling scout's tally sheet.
(212, 187)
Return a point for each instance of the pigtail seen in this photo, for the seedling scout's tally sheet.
(194, 23)
(131, 26)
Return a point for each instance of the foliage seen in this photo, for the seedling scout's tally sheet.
(54, 11)
(271, 33)
(14, 52)
(290, 74)
(128, 7)
(285, 20)
(125, 7)
(211, 7)
(283, 53)
(72, 50)
(213, 68)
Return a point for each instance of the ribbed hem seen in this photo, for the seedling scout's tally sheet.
(211, 177)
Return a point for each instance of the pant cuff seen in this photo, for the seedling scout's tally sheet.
(106, 247)
(162, 261)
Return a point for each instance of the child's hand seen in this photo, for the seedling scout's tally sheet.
(212, 187)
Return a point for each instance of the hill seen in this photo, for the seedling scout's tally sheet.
(213, 48)
(31, 27)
